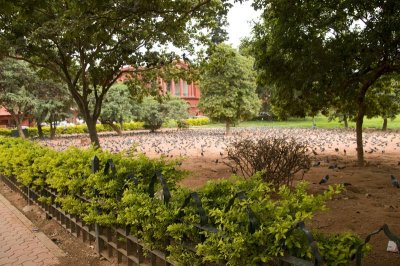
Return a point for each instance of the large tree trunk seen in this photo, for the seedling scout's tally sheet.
(345, 121)
(91, 126)
(114, 127)
(360, 146)
(53, 128)
(19, 127)
(18, 123)
(359, 127)
(384, 126)
(362, 110)
(90, 119)
(40, 129)
(121, 123)
(228, 128)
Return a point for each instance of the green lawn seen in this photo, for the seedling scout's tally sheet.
(321, 122)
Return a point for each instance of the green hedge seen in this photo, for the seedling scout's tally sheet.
(80, 129)
(5, 132)
(118, 200)
(198, 121)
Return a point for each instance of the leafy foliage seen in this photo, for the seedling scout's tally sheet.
(86, 43)
(154, 113)
(81, 129)
(17, 81)
(198, 121)
(117, 107)
(224, 235)
(316, 54)
(228, 86)
(279, 159)
(69, 173)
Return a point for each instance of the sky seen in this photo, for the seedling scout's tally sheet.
(239, 18)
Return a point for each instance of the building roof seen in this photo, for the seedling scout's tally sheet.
(3, 112)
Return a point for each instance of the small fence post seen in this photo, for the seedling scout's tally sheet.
(28, 195)
(95, 168)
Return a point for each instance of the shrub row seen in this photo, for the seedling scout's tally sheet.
(198, 121)
(123, 198)
(80, 129)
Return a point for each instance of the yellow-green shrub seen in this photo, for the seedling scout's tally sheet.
(117, 199)
(198, 121)
(5, 132)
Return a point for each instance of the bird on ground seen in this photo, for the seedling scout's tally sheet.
(395, 181)
(317, 164)
(332, 166)
(324, 179)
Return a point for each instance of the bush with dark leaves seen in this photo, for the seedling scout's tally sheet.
(279, 159)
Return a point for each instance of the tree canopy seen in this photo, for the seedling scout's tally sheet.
(85, 43)
(322, 50)
(154, 113)
(17, 81)
(228, 86)
(117, 107)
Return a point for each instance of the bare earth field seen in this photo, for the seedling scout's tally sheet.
(369, 202)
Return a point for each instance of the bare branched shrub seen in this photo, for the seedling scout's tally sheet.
(279, 159)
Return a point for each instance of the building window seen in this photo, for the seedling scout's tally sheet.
(178, 89)
(185, 88)
(168, 86)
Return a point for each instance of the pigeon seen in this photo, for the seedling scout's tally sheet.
(316, 164)
(324, 179)
(314, 152)
(332, 166)
(395, 182)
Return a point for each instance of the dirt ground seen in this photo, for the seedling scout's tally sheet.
(368, 203)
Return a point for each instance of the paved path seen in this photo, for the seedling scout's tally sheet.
(20, 244)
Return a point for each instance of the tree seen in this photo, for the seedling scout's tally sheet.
(384, 99)
(117, 107)
(328, 49)
(17, 81)
(154, 113)
(177, 108)
(52, 102)
(228, 87)
(85, 43)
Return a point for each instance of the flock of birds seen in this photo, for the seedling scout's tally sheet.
(212, 143)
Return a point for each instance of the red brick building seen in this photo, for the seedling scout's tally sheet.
(6, 119)
(190, 92)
